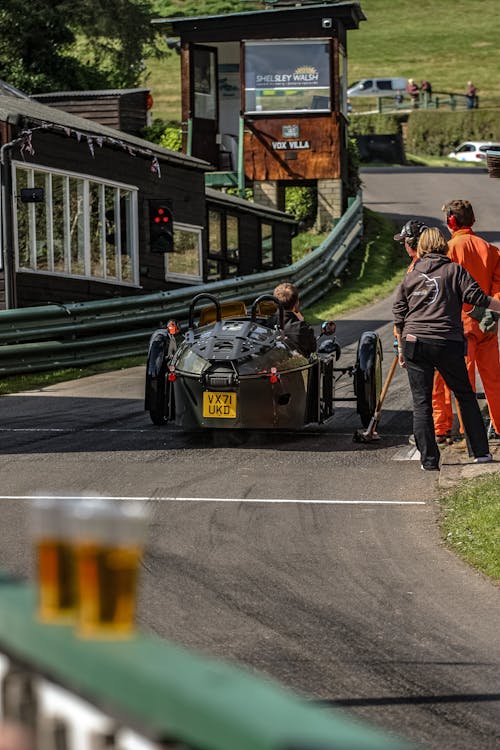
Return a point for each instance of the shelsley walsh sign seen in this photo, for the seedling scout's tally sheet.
(287, 65)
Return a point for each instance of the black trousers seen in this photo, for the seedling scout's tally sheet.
(422, 358)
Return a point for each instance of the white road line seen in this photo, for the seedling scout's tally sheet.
(407, 454)
(167, 499)
(74, 429)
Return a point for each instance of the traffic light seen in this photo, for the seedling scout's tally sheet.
(161, 227)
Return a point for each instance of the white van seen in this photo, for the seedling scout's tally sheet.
(377, 87)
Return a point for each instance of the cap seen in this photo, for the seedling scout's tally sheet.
(411, 231)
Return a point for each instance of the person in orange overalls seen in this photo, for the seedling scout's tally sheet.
(482, 261)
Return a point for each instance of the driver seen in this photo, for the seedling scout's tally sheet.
(298, 333)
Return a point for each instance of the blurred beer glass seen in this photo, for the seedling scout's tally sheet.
(108, 540)
(55, 568)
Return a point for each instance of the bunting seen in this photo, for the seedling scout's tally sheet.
(26, 143)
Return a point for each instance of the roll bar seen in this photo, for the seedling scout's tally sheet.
(269, 298)
(195, 300)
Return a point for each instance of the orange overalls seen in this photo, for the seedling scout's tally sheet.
(482, 261)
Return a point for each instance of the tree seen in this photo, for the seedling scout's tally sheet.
(46, 45)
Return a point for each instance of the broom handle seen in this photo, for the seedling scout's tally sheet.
(386, 385)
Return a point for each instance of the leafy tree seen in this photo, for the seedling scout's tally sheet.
(47, 45)
(171, 8)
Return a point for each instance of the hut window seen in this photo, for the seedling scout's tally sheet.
(185, 263)
(84, 227)
(287, 76)
(266, 245)
(224, 245)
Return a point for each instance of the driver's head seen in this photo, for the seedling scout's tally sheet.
(288, 295)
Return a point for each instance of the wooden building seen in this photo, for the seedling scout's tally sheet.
(79, 207)
(123, 109)
(264, 97)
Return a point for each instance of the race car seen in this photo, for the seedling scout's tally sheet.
(234, 370)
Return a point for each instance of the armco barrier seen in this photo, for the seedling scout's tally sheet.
(148, 694)
(74, 335)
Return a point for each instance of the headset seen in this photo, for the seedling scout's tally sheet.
(451, 220)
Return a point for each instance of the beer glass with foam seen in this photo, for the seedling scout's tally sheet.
(54, 559)
(108, 540)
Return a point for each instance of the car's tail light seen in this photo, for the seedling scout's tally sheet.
(171, 373)
(274, 375)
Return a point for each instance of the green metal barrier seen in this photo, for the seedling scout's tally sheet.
(73, 335)
(163, 693)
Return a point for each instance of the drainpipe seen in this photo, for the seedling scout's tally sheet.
(5, 207)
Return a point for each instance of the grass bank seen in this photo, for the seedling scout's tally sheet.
(471, 523)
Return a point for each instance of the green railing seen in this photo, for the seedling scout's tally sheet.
(74, 335)
(149, 693)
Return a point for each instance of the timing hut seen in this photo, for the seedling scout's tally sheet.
(264, 97)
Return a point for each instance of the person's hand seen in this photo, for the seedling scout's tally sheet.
(488, 322)
(401, 358)
(477, 312)
(299, 315)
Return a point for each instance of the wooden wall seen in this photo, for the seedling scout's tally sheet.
(126, 111)
(183, 185)
(314, 154)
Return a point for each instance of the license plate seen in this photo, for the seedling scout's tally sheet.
(219, 404)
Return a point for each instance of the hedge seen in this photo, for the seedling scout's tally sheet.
(435, 133)
(431, 132)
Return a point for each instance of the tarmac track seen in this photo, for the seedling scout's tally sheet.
(308, 557)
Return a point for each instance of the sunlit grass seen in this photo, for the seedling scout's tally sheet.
(471, 523)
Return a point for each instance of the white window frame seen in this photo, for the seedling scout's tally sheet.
(86, 179)
(181, 277)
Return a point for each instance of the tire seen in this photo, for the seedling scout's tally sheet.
(368, 376)
(160, 392)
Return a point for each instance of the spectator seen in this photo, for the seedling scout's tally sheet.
(426, 87)
(471, 96)
(442, 410)
(427, 316)
(413, 91)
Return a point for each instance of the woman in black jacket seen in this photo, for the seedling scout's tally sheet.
(427, 318)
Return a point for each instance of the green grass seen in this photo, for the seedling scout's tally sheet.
(435, 40)
(37, 380)
(374, 270)
(471, 523)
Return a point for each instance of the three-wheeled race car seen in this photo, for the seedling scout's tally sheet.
(234, 370)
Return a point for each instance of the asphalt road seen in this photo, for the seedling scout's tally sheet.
(311, 558)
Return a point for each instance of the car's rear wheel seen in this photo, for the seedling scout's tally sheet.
(368, 376)
(159, 397)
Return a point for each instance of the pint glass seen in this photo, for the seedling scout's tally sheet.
(108, 542)
(54, 559)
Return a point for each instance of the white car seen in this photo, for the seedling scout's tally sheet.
(473, 151)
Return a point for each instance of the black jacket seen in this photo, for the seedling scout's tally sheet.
(299, 334)
(430, 297)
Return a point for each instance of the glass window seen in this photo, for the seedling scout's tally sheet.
(204, 80)
(287, 76)
(214, 232)
(266, 244)
(23, 222)
(186, 260)
(384, 84)
(85, 228)
(60, 233)
(232, 237)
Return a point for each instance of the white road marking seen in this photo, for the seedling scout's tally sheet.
(74, 429)
(410, 453)
(167, 499)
